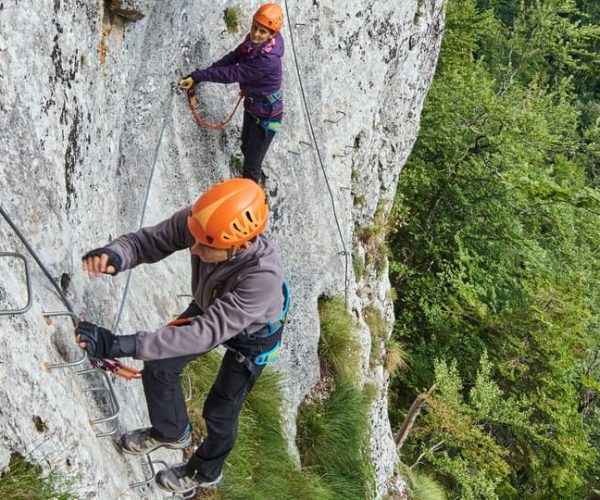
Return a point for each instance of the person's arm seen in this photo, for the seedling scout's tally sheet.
(150, 244)
(229, 59)
(224, 319)
(240, 73)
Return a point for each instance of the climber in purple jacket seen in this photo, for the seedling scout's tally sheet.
(256, 66)
(239, 302)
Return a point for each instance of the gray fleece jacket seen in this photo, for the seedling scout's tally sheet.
(249, 287)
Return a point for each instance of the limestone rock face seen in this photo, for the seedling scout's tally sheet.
(95, 141)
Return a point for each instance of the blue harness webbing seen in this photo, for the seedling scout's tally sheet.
(269, 329)
(267, 100)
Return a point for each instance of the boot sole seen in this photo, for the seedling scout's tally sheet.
(169, 446)
(201, 486)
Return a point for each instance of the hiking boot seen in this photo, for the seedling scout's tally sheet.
(141, 442)
(176, 480)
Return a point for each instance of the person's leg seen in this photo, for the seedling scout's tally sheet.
(166, 407)
(221, 411)
(246, 131)
(254, 147)
(165, 401)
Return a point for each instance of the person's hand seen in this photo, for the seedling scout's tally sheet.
(186, 83)
(102, 343)
(101, 261)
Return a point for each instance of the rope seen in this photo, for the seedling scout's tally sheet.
(193, 102)
(144, 206)
(314, 138)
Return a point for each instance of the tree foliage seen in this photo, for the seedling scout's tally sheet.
(494, 255)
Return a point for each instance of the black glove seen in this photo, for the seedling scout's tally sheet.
(102, 343)
(113, 258)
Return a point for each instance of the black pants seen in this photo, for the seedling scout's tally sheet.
(255, 143)
(168, 413)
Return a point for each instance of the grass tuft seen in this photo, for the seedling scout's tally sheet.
(24, 481)
(396, 357)
(378, 328)
(338, 347)
(422, 486)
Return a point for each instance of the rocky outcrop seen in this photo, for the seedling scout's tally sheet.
(94, 141)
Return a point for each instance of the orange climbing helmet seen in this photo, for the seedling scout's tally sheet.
(269, 15)
(229, 213)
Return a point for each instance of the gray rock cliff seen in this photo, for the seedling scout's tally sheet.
(93, 137)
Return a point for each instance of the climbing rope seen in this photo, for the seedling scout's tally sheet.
(144, 206)
(193, 103)
(314, 138)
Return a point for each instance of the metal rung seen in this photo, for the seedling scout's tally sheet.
(115, 405)
(150, 465)
(27, 306)
(339, 119)
(303, 146)
(114, 402)
(51, 366)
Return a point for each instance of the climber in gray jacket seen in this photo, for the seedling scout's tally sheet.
(237, 284)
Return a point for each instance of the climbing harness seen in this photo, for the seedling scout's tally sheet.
(269, 329)
(267, 100)
(273, 327)
(193, 103)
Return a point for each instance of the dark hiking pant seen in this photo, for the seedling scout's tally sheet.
(255, 143)
(168, 413)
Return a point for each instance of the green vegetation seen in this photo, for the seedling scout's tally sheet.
(231, 16)
(395, 357)
(24, 481)
(260, 465)
(332, 437)
(338, 349)
(236, 163)
(360, 200)
(378, 330)
(374, 239)
(358, 264)
(332, 440)
(422, 487)
(494, 255)
(333, 425)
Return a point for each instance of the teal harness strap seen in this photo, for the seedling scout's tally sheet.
(267, 100)
(274, 326)
(272, 355)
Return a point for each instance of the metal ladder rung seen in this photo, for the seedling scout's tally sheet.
(24, 309)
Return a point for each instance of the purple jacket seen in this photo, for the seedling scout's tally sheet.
(257, 68)
(249, 283)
